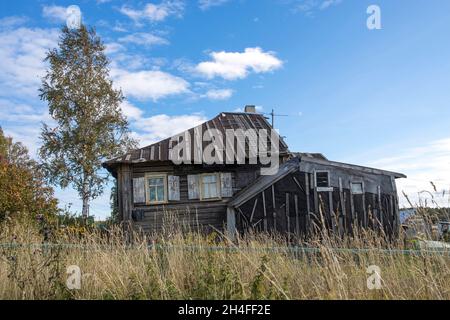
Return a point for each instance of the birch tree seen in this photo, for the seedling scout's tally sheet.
(89, 124)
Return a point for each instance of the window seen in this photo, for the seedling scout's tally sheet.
(322, 179)
(156, 188)
(209, 186)
(357, 188)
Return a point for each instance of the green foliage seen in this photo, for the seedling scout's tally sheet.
(23, 188)
(90, 126)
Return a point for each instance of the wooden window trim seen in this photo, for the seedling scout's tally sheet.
(362, 187)
(156, 175)
(322, 171)
(218, 184)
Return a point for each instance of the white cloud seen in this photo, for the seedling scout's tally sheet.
(144, 39)
(206, 4)
(22, 59)
(309, 6)
(130, 111)
(55, 13)
(113, 47)
(328, 3)
(161, 126)
(12, 21)
(422, 165)
(154, 12)
(218, 94)
(237, 65)
(152, 84)
(21, 68)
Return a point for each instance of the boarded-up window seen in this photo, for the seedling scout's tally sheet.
(139, 190)
(226, 185)
(193, 187)
(174, 188)
(357, 188)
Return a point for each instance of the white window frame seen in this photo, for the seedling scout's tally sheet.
(218, 186)
(147, 188)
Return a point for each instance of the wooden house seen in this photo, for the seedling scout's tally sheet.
(305, 191)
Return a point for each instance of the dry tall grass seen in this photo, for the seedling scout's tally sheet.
(194, 266)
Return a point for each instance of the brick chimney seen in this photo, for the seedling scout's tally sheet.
(250, 109)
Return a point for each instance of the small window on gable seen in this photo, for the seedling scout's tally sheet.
(322, 179)
(357, 188)
(210, 187)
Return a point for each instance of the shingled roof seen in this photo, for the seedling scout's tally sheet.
(226, 120)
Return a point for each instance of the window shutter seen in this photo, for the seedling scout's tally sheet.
(174, 188)
(193, 187)
(226, 185)
(138, 190)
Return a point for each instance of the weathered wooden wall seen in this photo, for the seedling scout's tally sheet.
(293, 205)
(192, 213)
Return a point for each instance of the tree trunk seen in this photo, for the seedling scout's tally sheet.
(85, 196)
(85, 210)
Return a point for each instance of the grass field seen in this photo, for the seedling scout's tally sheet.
(194, 266)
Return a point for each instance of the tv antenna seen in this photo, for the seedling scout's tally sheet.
(273, 115)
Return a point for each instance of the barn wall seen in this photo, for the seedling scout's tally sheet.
(292, 205)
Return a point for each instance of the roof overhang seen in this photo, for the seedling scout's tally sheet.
(353, 167)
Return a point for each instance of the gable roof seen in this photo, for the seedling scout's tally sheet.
(226, 120)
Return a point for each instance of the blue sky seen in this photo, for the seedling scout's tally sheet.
(371, 97)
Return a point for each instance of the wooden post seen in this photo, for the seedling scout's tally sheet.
(124, 192)
(288, 218)
(396, 210)
(264, 210)
(297, 218)
(342, 222)
(331, 209)
(374, 201)
(253, 210)
(231, 223)
(316, 202)
(391, 213)
(364, 206)
(352, 207)
(308, 204)
(380, 208)
(274, 209)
